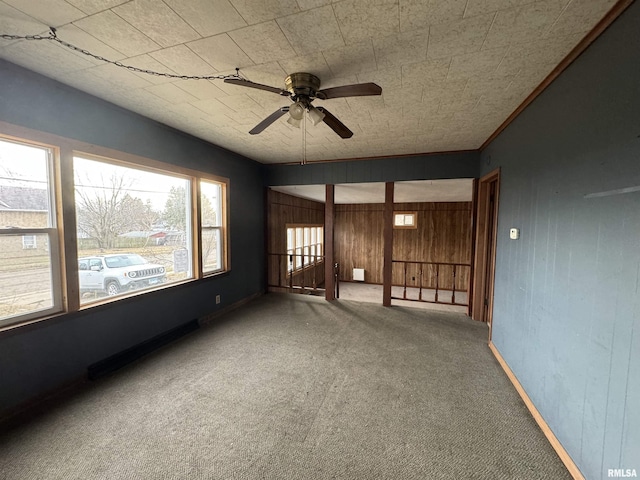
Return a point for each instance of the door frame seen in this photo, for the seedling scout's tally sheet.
(485, 248)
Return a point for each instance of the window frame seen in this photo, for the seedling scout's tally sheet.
(222, 228)
(61, 243)
(413, 226)
(302, 249)
(52, 232)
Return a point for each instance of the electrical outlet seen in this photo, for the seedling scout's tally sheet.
(217, 299)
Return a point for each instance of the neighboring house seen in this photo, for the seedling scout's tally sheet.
(23, 207)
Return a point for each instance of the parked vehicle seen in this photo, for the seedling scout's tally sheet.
(116, 273)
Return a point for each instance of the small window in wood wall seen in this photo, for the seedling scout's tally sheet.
(405, 219)
(304, 245)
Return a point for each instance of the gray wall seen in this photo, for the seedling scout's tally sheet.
(36, 359)
(567, 297)
(419, 167)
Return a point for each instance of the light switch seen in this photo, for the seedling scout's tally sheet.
(514, 234)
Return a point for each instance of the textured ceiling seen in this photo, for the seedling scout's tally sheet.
(451, 70)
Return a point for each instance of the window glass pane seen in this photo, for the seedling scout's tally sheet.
(211, 204)
(211, 250)
(404, 220)
(25, 276)
(290, 239)
(24, 186)
(211, 216)
(134, 228)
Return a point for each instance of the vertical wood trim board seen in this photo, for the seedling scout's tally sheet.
(267, 233)
(329, 214)
(482, 238)
(555, 443)
(494, 247)
(472, 219)
(387, 270)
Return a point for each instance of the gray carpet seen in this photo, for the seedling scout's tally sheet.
(292, 387)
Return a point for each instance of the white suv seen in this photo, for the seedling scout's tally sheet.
(118, 272)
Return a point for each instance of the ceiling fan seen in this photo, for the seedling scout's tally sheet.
(303, 88)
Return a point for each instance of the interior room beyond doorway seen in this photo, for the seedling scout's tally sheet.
(431, 251)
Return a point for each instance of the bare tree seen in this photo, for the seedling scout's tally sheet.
(106, 211)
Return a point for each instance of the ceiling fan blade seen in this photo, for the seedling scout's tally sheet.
(357, 90)
(269, 120)
(335, 124)
(247, 83)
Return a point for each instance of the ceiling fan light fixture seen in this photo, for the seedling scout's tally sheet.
(302, 89)
(296, 111)
(294, 121)
(315, 115)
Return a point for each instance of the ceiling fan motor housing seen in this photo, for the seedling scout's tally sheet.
(302, 84)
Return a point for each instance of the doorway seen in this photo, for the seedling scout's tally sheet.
(485, 248)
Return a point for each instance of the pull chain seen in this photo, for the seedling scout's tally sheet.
(304, 140)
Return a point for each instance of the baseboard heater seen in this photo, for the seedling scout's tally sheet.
(119, 360)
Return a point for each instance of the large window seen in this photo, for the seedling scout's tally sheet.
(29, 257)
(304, 245)
(134, 225)
(128, 226)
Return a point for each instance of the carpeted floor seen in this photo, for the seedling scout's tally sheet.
(292, 387)
(371, 293)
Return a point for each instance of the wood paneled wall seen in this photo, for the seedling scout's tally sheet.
(359, 241)
(286, 209)
(443, 234)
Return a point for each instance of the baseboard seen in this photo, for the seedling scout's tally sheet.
(121, 359)
(555, 443)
